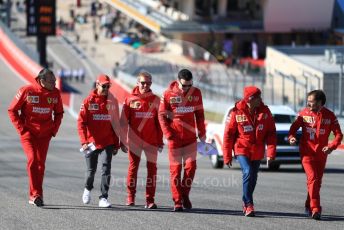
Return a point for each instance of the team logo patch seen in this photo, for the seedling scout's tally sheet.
(185, 109)
(108, 107)
(33, 99)
(135, 104)
(190, 98)
(308, 119)
(260, 127)
(93, 106)
(326, 121)
(144, 115)
(52, 100)
(174, 100)
(240, 118)
(248, 128)
(40, 110)
(150, 104)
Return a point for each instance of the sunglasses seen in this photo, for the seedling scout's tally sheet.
(185, 86)
(105, 86)
(145, 82)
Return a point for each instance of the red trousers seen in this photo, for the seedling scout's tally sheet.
(181, 154)
(36, 150)
(151, 153)
(314, 167)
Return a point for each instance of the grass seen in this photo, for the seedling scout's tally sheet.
(213, 117)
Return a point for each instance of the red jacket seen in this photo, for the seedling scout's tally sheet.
(98, 120)
(139, 119)
(180, 112)
(37, 106)
(248, 134)
(316, 128)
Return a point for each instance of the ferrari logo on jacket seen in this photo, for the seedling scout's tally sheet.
(52, 100)
(190, 98)
(33, 99)
(93, 106)
(326, 121)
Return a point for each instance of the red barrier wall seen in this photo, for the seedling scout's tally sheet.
(23, 65)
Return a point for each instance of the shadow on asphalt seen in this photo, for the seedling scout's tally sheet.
(296, 216)
(116, 207)
(193, 211)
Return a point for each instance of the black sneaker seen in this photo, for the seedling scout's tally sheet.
(178, 208)
(37, 201)
(316, 215)
(151, 206)
(187, 203)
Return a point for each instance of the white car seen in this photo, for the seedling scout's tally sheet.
(285, 154)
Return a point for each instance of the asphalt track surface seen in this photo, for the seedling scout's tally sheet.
(216, 194)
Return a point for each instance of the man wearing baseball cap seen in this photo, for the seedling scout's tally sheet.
(98, 120)
(249, 128)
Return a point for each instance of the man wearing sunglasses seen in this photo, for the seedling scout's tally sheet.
(317, 123)
(180, 112)
(140, 125)
(97, 122)
(40, 116)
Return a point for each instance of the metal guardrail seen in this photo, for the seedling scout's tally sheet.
(218, 84)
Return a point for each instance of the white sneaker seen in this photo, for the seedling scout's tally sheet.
(86, 197)
(104, 203)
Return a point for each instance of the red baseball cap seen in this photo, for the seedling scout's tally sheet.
(103, 79)
(251, 92)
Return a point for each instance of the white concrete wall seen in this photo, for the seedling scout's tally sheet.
(277, 61)
(287, 15)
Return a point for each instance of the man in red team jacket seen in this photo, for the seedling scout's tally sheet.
(40, 116)
(180, 111)
(249, 127)
(97, 122)
(317, 122)
(140, 125)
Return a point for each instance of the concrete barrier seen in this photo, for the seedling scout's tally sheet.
(25, 67)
